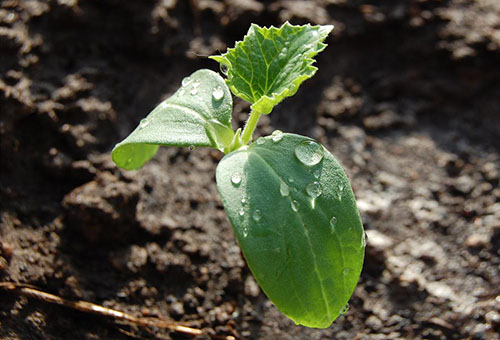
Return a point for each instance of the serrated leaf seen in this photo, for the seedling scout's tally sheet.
(198, 114)
(271, 63)
(294, 214)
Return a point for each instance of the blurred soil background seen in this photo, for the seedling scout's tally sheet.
(407, 97)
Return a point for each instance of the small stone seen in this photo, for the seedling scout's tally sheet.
(177, 309)
(477, 241)
(493, 318)
(251, 287)
(6, 249)
(374, 323)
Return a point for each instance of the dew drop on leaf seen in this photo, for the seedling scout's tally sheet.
(333, 224)
(257, 215)
(243, 201)
(309, 152)
(186, 81)
(291, 180)
(224, 68)
(242, 212)
(363, 240)
(295, 205)
(218, 93)
(196, 84)
(317, 173)
(260, 140)
(236, 179)
(344, 309)
(339, 193)
(284, 189)
(144, 123)
(194, 91)
(181, 93)
(313, 189)
(277, 135)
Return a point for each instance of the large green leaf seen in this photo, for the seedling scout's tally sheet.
(198, 114)
(271, 63)
(293, 212)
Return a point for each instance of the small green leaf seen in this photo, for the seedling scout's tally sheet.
(271, 63)
(294, 214)
(198, 114)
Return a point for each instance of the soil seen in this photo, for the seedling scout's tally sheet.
(406, 97)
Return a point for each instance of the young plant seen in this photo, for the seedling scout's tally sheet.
(289, 201)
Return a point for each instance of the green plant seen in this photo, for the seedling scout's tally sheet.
(288, 200)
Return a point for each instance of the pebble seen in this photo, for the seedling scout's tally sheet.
(477, 241)
(6, 249)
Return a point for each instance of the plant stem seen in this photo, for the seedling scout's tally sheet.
(250, 126)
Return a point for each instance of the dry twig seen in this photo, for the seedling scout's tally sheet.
(88, 307)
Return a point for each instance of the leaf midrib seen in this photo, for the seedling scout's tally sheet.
(325, 301)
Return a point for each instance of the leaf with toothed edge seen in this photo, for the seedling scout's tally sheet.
(198, 114)
(295, 217)
(271, 63)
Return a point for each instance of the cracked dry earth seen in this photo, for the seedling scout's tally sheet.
(407, 98)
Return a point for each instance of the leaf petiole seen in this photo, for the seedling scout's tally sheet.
(250, 127)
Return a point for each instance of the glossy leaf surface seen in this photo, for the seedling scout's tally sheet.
(271, 63)
(294, 214)
(198, 114)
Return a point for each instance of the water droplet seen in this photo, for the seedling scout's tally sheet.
(244, 231)
(313, 189)
(181, 93)
(144, 123)
(309, 152)
(333, 224)
(315, 33)
(339, 193)
(236, 179)
(194, 91)
(243, 201)
(317, 173)
(186, 81)
(218, 93)
(344, 309)
(347, 271)
(196, 84)
(257, 215)
(295, 205)
(129, 160)
(192, 147)
(284, 50)
(363, 240)
(284, 189)
(224, 68)
(260, 140)
(291, 180)
(277, 135)
(242, 212)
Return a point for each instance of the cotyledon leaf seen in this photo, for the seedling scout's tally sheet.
(198, 114)
(294, 214)
(271, 63)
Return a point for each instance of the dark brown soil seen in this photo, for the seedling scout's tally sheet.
(407, 97)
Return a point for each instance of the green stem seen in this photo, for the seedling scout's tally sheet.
(250, 126)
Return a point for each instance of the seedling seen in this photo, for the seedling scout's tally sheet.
(289, 201)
